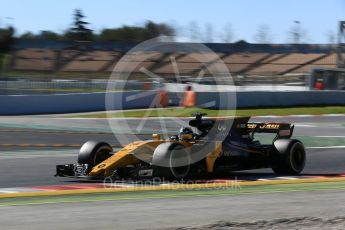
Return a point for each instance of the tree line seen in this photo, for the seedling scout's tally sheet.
(80, 31)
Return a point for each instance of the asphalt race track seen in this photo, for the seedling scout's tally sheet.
(173, 213)
(35, 168)
(31, 147)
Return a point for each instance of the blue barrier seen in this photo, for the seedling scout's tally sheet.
(68, 103)
(252, 99)
(87, 102)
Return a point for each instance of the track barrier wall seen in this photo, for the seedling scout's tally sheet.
(69, 103)
(252, 99)
(87, 102)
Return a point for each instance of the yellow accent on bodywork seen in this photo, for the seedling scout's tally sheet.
(156, 136)
(138, 151)
(132, 153)
(212, 157)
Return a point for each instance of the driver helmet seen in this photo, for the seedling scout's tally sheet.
(185, 134)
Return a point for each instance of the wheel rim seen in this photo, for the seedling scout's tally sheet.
(101, 155)
(181, 159)
(180, 172)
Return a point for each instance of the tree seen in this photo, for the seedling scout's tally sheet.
(43, 35)
(263, 34)
(166, 30)
(297, 34)
(6, 34)
(6, 40)
(49, 35)
(208, 33)
(194, 30)
(152, 30)
(28, 36)
(331, 37)
(79, 30)
(228, 35)
(136, 34)
(125, 34)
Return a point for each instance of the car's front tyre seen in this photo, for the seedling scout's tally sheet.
(173, 161)
(92, 153)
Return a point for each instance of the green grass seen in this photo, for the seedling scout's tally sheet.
(186, 112)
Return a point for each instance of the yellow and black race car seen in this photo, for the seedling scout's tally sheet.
(215, 144)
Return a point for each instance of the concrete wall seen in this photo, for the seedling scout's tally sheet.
(69, 103)
(249, 99)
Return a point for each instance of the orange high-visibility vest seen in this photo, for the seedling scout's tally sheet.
(163, 98)
(189, 99)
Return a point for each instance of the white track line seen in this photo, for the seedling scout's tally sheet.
(309, 126)
(17, 190)
(29, 156)
(133, 118)
(328, 147)
(287, 178)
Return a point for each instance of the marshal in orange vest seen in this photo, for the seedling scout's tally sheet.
(189, 98)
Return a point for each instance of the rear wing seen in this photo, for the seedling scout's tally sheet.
(241, 125)
(283, 130)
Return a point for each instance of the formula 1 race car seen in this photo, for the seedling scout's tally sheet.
(213, 145)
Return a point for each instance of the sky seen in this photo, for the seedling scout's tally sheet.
(318, 18)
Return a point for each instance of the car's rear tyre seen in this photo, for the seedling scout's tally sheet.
(288, 157)
(172, 161)
(92, 153)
